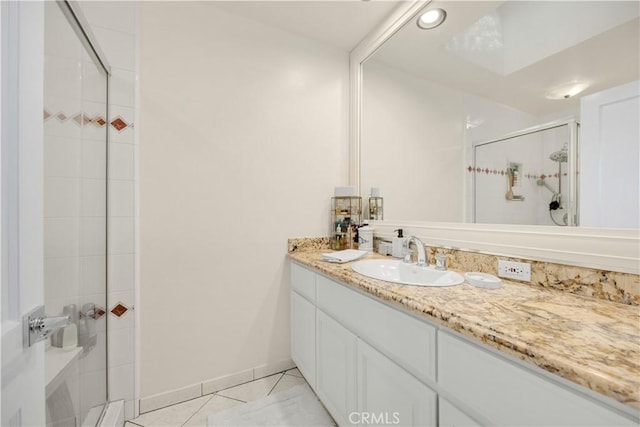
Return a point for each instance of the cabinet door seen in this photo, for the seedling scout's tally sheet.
(303, 337)
(450, 416)
(335, 368)
(388, 395)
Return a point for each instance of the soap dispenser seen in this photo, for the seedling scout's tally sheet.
(397, 250)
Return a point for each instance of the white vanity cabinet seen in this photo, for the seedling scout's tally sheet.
(389, 395)
(335, 368)
(504, 393)
(373, 364)
(303, 322)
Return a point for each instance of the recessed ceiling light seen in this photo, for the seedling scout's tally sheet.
(431, 18)
(566, 90)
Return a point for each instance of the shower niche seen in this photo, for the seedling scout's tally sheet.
(527, 176)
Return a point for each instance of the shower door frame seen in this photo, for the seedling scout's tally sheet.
(572, 162)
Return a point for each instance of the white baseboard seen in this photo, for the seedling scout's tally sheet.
(168, 398)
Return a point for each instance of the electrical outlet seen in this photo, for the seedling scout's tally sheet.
(514, 270)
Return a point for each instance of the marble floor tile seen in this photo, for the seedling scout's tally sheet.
(286, 382)
(174, 415)
(215, 404)
(252, 391)
(294, 372)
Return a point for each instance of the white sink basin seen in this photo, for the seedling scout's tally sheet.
(396, 271)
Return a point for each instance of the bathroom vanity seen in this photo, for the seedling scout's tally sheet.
(380, 353)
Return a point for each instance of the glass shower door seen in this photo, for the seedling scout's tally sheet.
(75, 228)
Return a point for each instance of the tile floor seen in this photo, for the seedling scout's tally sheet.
(194, 413)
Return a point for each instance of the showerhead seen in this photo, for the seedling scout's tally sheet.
(559, 156)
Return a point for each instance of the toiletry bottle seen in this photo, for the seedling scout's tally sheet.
(365, 238)
(397, 250)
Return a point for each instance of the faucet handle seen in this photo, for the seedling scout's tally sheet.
(408, 258)
(441, 262)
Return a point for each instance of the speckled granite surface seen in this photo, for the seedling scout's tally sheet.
(607, 285)
(589, 341)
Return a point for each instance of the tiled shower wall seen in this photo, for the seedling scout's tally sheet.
(114, 25)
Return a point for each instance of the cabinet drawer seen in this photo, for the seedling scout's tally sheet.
(303, 281)
(507, 394)
(404, 339)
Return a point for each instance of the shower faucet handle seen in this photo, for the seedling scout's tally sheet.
(37, 326)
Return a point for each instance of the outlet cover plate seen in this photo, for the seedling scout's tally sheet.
(515, 270)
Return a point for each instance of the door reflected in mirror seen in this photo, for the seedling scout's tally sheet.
(448, 113)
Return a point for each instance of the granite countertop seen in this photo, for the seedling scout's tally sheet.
(592, 342)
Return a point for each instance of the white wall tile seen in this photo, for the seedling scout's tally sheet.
(94, 159)
(61, 237)
(94, 197)
(121, 273)
(122, 88)
(127, 134)
(94, 83)
(93, 236)
(93, 390)
(94, 131)
(61, 277)
(61, 197)
(121, 235)
(121, 161)
(119, 47)
(119, 16)
(62, 78)
(122, 198)
(121, 382)
(95, 359)
(127, 320)
(121, 346)
(61, 157)
(66, 128)
(93, 272)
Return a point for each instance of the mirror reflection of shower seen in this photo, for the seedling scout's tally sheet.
(557, 211)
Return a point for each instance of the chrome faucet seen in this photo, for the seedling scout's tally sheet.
(422, 257)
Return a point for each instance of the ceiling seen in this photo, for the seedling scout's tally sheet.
(516, 52)
(340, 23)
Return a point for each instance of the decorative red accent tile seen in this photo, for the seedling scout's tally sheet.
(543, 176)
(470, 168)
(99, 121)
(78, 119)
(119, 310)
(46, 114)
(61, 116)
(97, 313)
(86, 119)
(119, 124)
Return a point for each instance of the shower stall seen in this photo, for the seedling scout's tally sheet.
(75, 147)
(527, 176)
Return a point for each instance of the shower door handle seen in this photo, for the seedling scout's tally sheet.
(37, 326)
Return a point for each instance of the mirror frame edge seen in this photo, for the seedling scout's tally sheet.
(602, 248)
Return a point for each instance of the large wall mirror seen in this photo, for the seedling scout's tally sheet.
(507, 112)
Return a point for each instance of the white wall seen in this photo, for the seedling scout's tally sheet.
(243, 137)
(412, 145)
